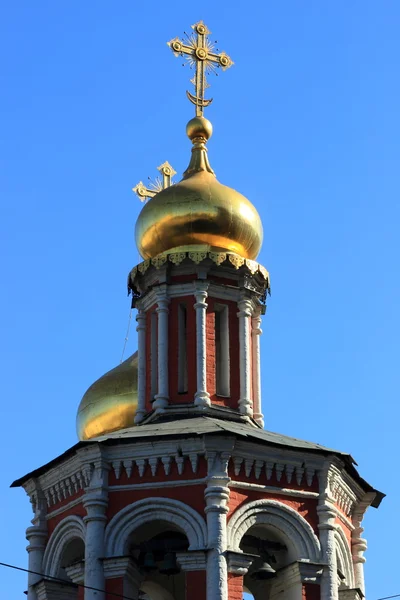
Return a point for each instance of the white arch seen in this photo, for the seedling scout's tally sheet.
(154, 509)
(344, 558)
(68, 529)
(299, 535)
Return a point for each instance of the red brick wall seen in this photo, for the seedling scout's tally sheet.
(114, 586)
(311, 591)
(195, 585)
(191, 495)
(77, 510)
(235, 586)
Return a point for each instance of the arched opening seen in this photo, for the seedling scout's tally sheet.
(271, 554)
(154, 547)
(73, 553)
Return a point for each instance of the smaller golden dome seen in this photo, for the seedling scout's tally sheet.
(199, 213)
(110, 403)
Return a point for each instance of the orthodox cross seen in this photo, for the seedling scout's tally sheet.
(158, 185)
(199, 51)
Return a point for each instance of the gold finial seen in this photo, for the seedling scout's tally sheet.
(144, 193)
(199, 52)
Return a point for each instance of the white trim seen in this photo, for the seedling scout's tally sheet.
(158, 484)
(344, 558)
(270, 489)
(297, 533)
(68, 529)
(131, 517)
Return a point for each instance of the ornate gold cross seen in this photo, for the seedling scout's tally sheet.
(158, 185)
(199, 52)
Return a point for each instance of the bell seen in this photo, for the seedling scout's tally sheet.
(149, 564)
(169, 566)
(265, 571)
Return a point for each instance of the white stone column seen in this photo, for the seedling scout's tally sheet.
(217, 497)
(95, 503)
(201, 397)
(245, 310)
(358, 543)
(256, 358)
(162, 396)
(326, 525)
(37, 536)
(141, 329)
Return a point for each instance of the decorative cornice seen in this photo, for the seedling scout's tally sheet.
(198, 257)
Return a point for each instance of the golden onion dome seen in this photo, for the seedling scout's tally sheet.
(199, 213)
(110, 403)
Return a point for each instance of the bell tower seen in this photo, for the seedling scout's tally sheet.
(175, 490)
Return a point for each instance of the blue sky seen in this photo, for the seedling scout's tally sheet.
(306, 125)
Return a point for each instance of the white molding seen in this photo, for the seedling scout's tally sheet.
(296, 531)
(130, 517)
(76, 572)
(192, 561)
(344, 558)
(239, 562)
(270, 489)
(54, 590)
(158, 484)
(70, 528)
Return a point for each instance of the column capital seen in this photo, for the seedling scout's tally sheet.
(245, 306)
(239, 562)
(37, 537)
(326, 516)
(122, 566)
(141, 319)
(95, 506)
(162, 298)
(76, 572)
(194, 560)
(201, 289)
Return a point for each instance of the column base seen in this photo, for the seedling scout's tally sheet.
(139, 416)
(160, 402)
(202, 399)
(246, 407)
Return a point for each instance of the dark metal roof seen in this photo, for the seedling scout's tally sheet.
(206, 425)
